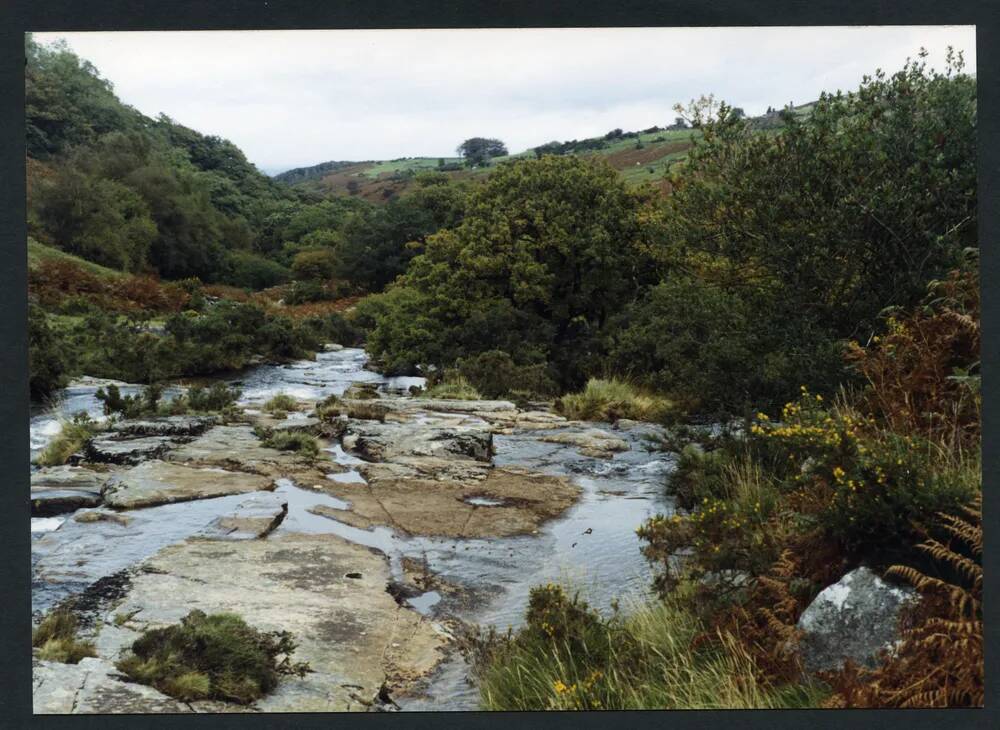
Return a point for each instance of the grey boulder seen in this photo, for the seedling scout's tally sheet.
(852, 619)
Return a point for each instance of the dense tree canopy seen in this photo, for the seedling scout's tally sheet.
(547, 251)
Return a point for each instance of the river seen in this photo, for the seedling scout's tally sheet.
(592, 546)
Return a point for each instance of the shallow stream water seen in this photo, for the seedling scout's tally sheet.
(592, 547)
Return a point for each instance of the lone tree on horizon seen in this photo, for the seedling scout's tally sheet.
(478, 150)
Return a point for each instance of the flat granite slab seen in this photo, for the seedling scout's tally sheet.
(161, 482)
(59, 489)
(330, 593)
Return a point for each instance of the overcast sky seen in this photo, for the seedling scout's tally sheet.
(296, 98)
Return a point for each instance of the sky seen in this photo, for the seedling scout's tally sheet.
(300, 97)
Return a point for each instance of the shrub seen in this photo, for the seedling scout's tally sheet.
(313, 265)
(146, 403)
(342, 330)
(55, 638)
(252, 271)
(495, 374)
(216, 398)
(215, 656)
(303, 443)
(304, 292)
(872, 485)
(72, 437)
(610, 400)
(280, 404)
(47, 360)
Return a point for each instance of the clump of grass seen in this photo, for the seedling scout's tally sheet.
(329, 408)
(55, 639)
(214, 656)
(367, 411)
(72, 437)
(611, 400)
(303, 443)
(452, 387)
(567, 657)
(280, 405)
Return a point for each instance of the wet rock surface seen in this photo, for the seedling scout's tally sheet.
(59, 489)
(161, 482)
(590, 442)
(852, 619)
(251, 520)
(506, 502)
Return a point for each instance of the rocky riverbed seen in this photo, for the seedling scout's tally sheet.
(419, 515)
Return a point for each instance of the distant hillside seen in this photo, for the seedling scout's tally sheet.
(642, 157)
(313, 172)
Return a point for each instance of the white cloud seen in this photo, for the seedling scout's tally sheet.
(293, 98)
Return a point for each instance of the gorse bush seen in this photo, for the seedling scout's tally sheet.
(215, 656)
(872, 485)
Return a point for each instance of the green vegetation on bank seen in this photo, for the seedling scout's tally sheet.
(568, 657)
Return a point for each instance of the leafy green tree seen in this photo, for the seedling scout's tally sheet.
(67, 102)
(47, 360)
(547, 251)
(478, 150)
(380, 242)
(313, 265)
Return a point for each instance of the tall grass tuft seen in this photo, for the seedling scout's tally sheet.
(611, 400)
(72, 437)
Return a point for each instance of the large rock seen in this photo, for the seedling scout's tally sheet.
(851, 619)
(112, 448)
(160, 482)
(505, 502)
(93, 686)
(590, 442)
(375, 441)
(60, 489)
(330, 593)
(237, 448)
(165, 426)
(251, 520)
